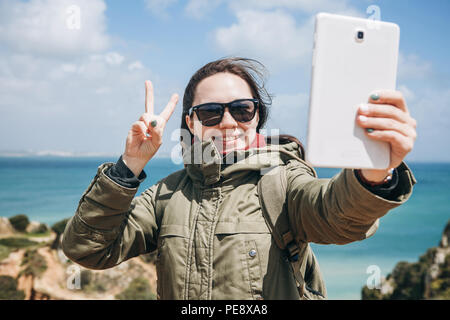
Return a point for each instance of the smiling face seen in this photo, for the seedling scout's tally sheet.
(229, 134)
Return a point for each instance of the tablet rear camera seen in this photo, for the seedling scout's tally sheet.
(360, 35)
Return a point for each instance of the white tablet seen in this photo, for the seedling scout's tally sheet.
(352, 57)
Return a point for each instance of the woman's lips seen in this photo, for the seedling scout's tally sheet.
(227, 140)
(229, 143)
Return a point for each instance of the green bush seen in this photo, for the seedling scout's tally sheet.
(138, 289)
(19, 222)
(440, 287)
(8, 289)
(17, 242)
(59, 226)
(410, 281)
(4, 252)
(371, 294)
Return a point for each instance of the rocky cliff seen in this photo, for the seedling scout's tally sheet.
(429, 278)
(33, 266)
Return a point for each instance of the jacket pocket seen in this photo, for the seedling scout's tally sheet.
(250, 242)
(170, 260)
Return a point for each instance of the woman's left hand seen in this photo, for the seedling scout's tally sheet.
(386, 118)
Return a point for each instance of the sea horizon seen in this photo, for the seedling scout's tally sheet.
(90, 155)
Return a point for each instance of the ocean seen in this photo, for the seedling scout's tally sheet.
(47, 189)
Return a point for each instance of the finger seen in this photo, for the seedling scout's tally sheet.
(147, 118)
(151, 121)
(156, 131)
(397, 140)
(386, 111)
(386, 124)
(142, 128)
(170, 107)
(139, 128)
(149, 99)
(391, 97)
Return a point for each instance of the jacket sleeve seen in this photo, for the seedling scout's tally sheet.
(110, 225)
(338, 210)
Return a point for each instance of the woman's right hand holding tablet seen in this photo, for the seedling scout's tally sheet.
(145, 135)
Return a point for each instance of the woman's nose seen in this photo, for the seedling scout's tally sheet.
(227, 120)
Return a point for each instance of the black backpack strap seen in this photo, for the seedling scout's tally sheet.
(272, 196)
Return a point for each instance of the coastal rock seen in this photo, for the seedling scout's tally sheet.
(6, 229)
(64, 280)
(445, 237)
(429, 278)
(43, 273)
(36, 227)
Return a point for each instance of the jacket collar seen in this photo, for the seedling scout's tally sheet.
(207, 166)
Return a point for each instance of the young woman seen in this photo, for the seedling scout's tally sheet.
(205, 221)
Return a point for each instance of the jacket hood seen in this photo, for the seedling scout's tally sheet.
(207, 166)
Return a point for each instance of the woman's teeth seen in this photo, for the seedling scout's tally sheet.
(225, 139)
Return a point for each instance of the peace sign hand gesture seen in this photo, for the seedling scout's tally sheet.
(145, 135)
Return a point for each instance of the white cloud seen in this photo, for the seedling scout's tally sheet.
(289, 113)
(308, 6)
(268, 30)
(65, 105)
(200, 8)
(160, 7)
(66, 87)
(102, 90)
(46, 27)
(113, 58)
(196, 9)
(69, 67)
(427, 99)
(411, 66)
(430, 109)
(136, 65)
(274, 37)
(408, 94)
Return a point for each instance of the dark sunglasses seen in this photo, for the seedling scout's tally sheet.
(211, 114)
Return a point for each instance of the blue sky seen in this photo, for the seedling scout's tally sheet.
(78, 90)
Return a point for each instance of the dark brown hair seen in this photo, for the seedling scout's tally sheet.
(287, 138)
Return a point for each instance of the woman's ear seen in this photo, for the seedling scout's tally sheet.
(190, 124)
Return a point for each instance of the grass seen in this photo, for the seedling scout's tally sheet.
(17, 243)
(38, 235)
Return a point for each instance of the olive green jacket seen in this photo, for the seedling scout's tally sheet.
(206, 222)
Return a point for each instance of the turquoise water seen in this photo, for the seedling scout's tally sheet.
(48, 189)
